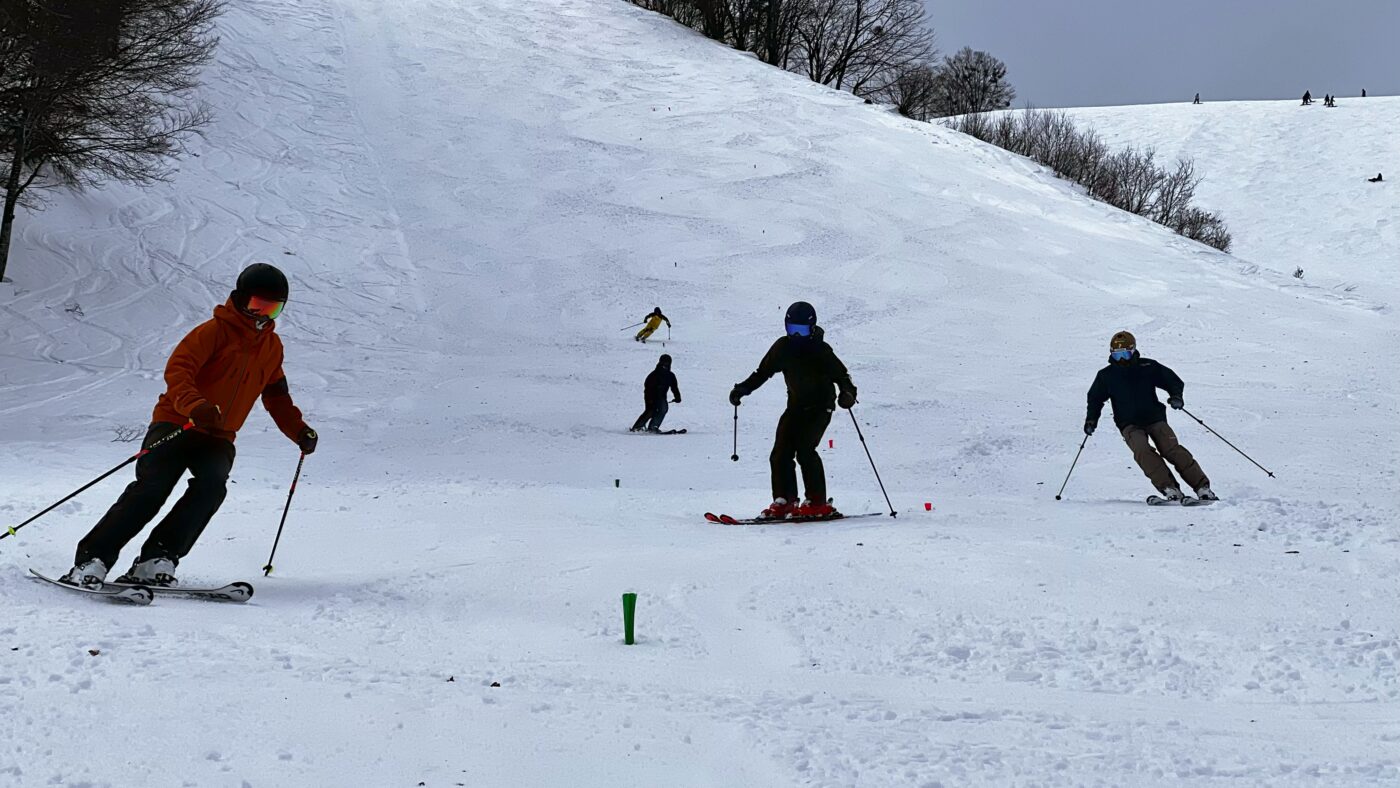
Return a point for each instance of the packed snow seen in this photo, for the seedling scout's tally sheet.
(471, 199)
(1291, 181)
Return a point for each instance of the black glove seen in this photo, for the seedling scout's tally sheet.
(1176, 403)
(307, 440)
(846, 399)
(735, 394)
(1089, 427)
(676, 401)
(207, 416)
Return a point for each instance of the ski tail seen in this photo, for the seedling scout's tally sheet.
(129, 595)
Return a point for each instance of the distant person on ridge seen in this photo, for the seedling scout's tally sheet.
(1131, 382)
(813, 375)
(1198, 99)
(654, 391)
(653, 322)
(1363, 93)
(213, 378)
(1307, 97)
(1376, 179)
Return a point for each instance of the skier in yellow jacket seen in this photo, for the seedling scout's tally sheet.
(653, 322)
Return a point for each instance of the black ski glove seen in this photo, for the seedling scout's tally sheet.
(1089, 427)
(207, 416)
(846, 399)
(735, 395)
(1176, 403)
(307, 441)
(676, 401)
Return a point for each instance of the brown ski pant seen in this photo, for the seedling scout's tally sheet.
(1152, 460)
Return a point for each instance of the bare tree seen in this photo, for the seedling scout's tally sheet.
(1175, 193)
(911, 92)
(1205, 227)
(713, 17)
(775, 35)
(95, 91)
(972, 81)
(863, 45)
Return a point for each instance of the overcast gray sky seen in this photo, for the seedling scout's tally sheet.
(1063, 53)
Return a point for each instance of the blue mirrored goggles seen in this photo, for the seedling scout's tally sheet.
(1121, 354)
(799, 330)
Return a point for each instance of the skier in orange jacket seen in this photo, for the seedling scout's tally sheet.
(214, 377)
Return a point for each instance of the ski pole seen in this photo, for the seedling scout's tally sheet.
(634, 325)
(735, 455)
(872, 463)
(267, 570)
(1071, 466)
(1227, 443)
(129, 460)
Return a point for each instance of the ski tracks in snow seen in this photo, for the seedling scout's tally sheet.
(282, 175)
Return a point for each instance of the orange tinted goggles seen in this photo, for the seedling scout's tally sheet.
(265, 307)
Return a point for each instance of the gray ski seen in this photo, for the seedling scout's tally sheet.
(1157, 500)
(133, 595)
(233, 592)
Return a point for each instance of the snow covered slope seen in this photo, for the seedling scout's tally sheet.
(471, 200)
(1290, 181)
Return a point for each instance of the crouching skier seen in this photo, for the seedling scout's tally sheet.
(813, 375)
(654, 388)
(212, 380)
(1131, 382)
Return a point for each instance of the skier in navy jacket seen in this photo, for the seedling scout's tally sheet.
(1131, 382)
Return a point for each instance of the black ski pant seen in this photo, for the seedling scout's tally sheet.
(652, 417)
(207, 458)
(800, 431)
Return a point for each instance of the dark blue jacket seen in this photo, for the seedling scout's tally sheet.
(1133, 389)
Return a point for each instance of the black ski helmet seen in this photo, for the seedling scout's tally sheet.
(801, 314)
(262, 280)
(665, 360)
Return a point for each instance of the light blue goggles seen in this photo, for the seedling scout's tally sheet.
(1121, 354)
(799, 329)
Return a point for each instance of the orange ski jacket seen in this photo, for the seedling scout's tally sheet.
(230, 362)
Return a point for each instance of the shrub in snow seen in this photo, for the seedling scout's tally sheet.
(1130, 179)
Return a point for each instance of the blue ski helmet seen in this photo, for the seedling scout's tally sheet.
(801, 319)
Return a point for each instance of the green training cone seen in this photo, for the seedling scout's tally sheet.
(629, 617)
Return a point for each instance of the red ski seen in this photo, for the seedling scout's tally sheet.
(724, 519)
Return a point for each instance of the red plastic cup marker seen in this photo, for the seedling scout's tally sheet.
(831, 443)
(928, 506)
